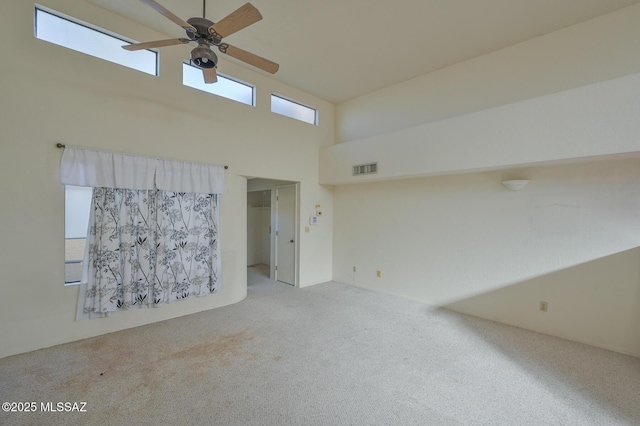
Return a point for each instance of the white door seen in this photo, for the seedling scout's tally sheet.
(286, 234)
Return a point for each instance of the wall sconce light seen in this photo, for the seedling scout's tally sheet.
(515, 184)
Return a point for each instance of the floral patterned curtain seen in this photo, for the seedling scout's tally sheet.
(149, 247)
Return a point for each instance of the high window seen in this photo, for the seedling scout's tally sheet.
(293, 109)
(64, 31)
(225, 86)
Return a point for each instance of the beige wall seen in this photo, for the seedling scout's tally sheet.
(466, 241)
(461, 240)
(589, 52)
(562, 110)
(50, 94)
(597, 120)
(570, 94)
(596, 302)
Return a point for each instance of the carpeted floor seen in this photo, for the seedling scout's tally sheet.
(330, 354)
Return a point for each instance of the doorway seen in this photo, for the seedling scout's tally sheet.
(272, 230)
(259, 231)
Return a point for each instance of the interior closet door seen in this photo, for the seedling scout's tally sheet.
(286, 234)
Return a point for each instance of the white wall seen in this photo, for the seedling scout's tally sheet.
(561, 109)
(449, 239)
(80, 100)
(595, 120)
(570, 94)
(595, 303)
(465, 242)
(259, 184)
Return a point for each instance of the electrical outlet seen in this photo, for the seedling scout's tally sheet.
(379, 273)
(543, 306)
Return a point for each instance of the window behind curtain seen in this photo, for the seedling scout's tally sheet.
(76, 219)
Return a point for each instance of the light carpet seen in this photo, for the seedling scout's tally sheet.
(329, 354)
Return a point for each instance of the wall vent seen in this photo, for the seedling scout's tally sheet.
(365, 169)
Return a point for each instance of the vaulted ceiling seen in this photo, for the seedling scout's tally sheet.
(340, 49)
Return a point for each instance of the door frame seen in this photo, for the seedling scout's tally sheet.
(296, 220)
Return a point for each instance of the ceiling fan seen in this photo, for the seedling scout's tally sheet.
(208, 34)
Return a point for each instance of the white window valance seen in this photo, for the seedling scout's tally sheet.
(87, 167)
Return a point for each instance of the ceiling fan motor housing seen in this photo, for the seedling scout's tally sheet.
(202, 55)
(201, 25)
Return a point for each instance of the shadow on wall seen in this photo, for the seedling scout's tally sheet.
(566, 369)
(597, 303)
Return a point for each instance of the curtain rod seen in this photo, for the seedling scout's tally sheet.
(61, 145)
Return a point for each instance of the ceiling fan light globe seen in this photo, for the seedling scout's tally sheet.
(204, 57)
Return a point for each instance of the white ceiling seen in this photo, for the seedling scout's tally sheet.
(340, 49)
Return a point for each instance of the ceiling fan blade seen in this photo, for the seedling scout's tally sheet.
(210, 75)
(157, 43)
(241, 18)
(249, 58)
(168, 14)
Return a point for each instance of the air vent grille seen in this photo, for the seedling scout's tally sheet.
(365, 169)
